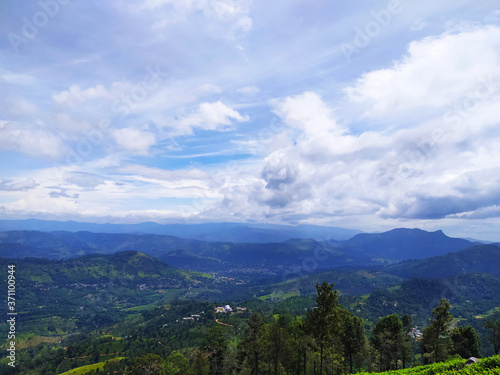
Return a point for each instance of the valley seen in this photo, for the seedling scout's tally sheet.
(87, 298)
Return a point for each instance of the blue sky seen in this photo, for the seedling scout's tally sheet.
(369, 115)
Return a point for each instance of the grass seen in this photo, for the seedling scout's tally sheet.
(280, 295)
(488, 313)
(485, 366)
(84, 369)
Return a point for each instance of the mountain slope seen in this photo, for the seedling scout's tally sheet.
(126, 266)
(476, 259)
(403, 244)
(469, 295)
(59, 245)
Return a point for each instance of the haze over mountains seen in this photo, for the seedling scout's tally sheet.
(288, 250)
(231, 232)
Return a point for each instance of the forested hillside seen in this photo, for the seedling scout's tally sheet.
(294, 307)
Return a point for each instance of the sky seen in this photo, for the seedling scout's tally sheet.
(359, 114)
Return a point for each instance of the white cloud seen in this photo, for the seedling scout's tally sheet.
(210, 116)
(224, 18)
(307, 112)
(134, 141)
(427, 172)
(30, 140)
(75, 95)
(436, 72)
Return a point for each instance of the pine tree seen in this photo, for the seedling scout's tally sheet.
(466, 342)
(494, 333)
(388, 337)
(251, 348)
(435, 339)
(407, 346)
(325, 323)
(215, 344)
(353, 338)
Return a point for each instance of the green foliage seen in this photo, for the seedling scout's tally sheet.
(494, 333)
(435, 340)
(477, 259)
(149, 364)
(325, 324)
(251, 348)
(388, 340)
(487, 366)
(353, 338)
(465, 342)
(215, 344)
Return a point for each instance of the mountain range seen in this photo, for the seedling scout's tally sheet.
(293, 254)
(226, 232)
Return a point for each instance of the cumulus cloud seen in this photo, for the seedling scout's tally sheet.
(30, 139)
(133, 140)
(436, 72)
(214, 116)
(427, 172)
(74, 96)
(308, 113)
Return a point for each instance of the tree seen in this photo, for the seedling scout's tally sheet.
(354, 338)
(407, 347)
(325, 322)
(388, 339)
(278, 344)
(149, 364)
(200, 364)
(251, 347)
(305, 343)
(177, 364)
(466, 342)
(230, 363)
(435, 338)
(494, 333)
(215, 344)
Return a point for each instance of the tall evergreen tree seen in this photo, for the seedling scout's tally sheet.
(278, 344)
(387, 340)
(305, 343)
(494, 333)
(251, 348)
(215, 344)
(353, 338)
(466, 342)
(325, 323)
(435, 339)
(407, 339)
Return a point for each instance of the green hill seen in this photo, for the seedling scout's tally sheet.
(470, 295)
(130, 266)
(476, 259)
(347, 282)
(485, 366)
